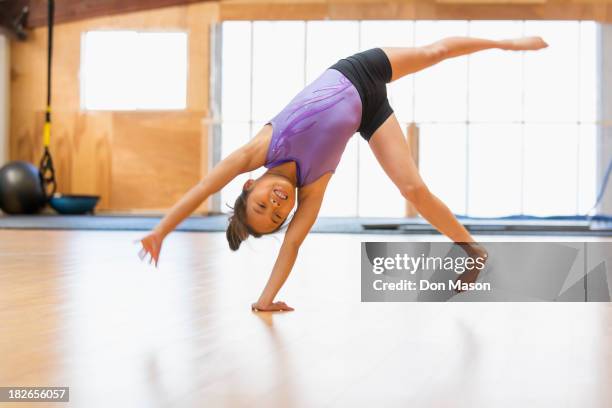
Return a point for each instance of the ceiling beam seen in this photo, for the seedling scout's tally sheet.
(74, 10)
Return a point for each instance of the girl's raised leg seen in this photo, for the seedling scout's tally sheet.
(408, 60)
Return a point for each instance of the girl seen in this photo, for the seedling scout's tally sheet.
(302, 146)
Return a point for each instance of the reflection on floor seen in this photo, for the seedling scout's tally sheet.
(79, 309)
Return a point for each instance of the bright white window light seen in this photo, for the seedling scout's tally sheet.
(487, 121)
(129, 70)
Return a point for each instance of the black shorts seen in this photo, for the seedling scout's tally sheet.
(370, 72)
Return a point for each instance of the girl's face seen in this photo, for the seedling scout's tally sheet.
(270, 201)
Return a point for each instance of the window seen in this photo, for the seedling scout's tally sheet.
(129, 70)
(501, 133)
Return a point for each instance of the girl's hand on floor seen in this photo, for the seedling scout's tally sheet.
(151, 244)
(273, 307)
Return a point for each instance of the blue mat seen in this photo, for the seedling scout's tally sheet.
(345, 225)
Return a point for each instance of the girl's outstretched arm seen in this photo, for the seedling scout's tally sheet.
(246, 158)
(238, 162)
(309, 203)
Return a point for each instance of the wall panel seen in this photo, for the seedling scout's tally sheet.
(600, 10)
(136, 161)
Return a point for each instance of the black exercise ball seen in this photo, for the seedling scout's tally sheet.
(21, 190)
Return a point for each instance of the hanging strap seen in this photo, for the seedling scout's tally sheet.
(47, 129)
(47, 171)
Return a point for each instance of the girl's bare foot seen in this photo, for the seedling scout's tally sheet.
(524, 44)
(474, 251)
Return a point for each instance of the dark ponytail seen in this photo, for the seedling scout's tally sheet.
(238, 230)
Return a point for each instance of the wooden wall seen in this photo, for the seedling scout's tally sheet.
(600, 10)
(135, 160)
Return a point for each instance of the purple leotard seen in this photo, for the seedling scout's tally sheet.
(314, 128)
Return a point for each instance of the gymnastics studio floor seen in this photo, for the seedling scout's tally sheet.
(79, 309)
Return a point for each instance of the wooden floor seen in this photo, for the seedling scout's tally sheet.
(79, 309)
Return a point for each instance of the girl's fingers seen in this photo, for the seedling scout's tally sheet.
(149, 247)
(283, 306)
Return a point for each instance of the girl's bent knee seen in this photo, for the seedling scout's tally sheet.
(437, 51)
(415, 193)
